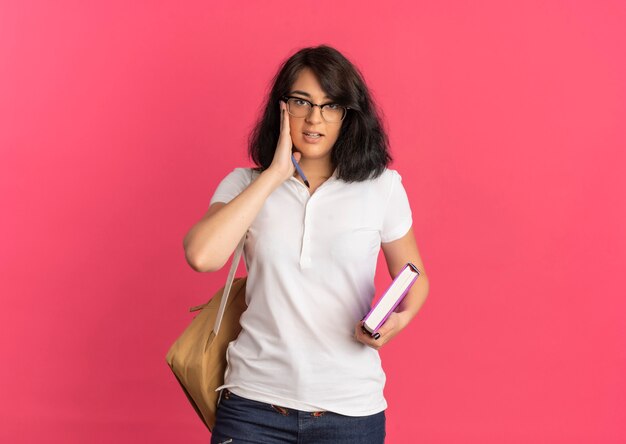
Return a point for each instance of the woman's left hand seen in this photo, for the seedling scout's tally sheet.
(394, 324)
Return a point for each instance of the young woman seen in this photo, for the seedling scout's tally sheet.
(302, 369)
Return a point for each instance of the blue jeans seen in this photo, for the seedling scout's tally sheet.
(242, 420)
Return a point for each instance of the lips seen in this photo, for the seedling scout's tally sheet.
(312, 132)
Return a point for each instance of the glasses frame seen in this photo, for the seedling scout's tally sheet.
(321, 107)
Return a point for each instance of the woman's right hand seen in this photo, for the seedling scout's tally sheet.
(282, 164)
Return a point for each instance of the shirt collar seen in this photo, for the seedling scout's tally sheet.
(332, 176)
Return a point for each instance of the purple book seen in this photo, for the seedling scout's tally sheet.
(391, 298)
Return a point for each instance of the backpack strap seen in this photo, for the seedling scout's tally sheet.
(229, 284)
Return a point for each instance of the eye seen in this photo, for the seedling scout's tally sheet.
(332, 106)
(300, 102)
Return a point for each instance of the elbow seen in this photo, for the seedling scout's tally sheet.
(196, 259)
(202, 264)
(197, 265)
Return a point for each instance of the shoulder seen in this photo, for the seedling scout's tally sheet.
(391, 174)
(232, 184)
(387, 179)
(390, 186)
(241, 172)
(241, 175)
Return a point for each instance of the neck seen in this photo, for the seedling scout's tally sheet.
(316, 169)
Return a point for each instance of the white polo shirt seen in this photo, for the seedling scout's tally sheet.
(311, 261)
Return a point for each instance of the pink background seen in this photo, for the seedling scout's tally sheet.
(506, 118)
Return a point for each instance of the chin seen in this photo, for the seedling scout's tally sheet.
(312, 151)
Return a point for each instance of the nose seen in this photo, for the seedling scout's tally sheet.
(315, 115)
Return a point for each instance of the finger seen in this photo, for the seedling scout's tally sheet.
(390, 325)
(367, 340)
(369, 335)
(358, 333)
(384, 329)
(285, 117)
(364, 337)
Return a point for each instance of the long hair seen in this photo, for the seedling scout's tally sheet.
(361, 150)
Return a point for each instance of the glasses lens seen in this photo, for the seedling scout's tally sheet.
(302, 108)
(333, 113)
(298, 107)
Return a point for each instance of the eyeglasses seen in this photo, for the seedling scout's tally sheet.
(331, 112)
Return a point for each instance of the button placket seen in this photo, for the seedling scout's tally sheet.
(305, 254)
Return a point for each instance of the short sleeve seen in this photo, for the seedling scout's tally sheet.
(231, 185)
(397, 219)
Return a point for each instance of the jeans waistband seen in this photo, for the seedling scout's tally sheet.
(286, 411)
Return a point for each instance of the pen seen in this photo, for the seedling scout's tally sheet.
(293, 159)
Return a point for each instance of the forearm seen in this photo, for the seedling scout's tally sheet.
(210, 242)
(413, 301)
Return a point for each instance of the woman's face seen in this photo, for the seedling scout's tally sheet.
(307, 87)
